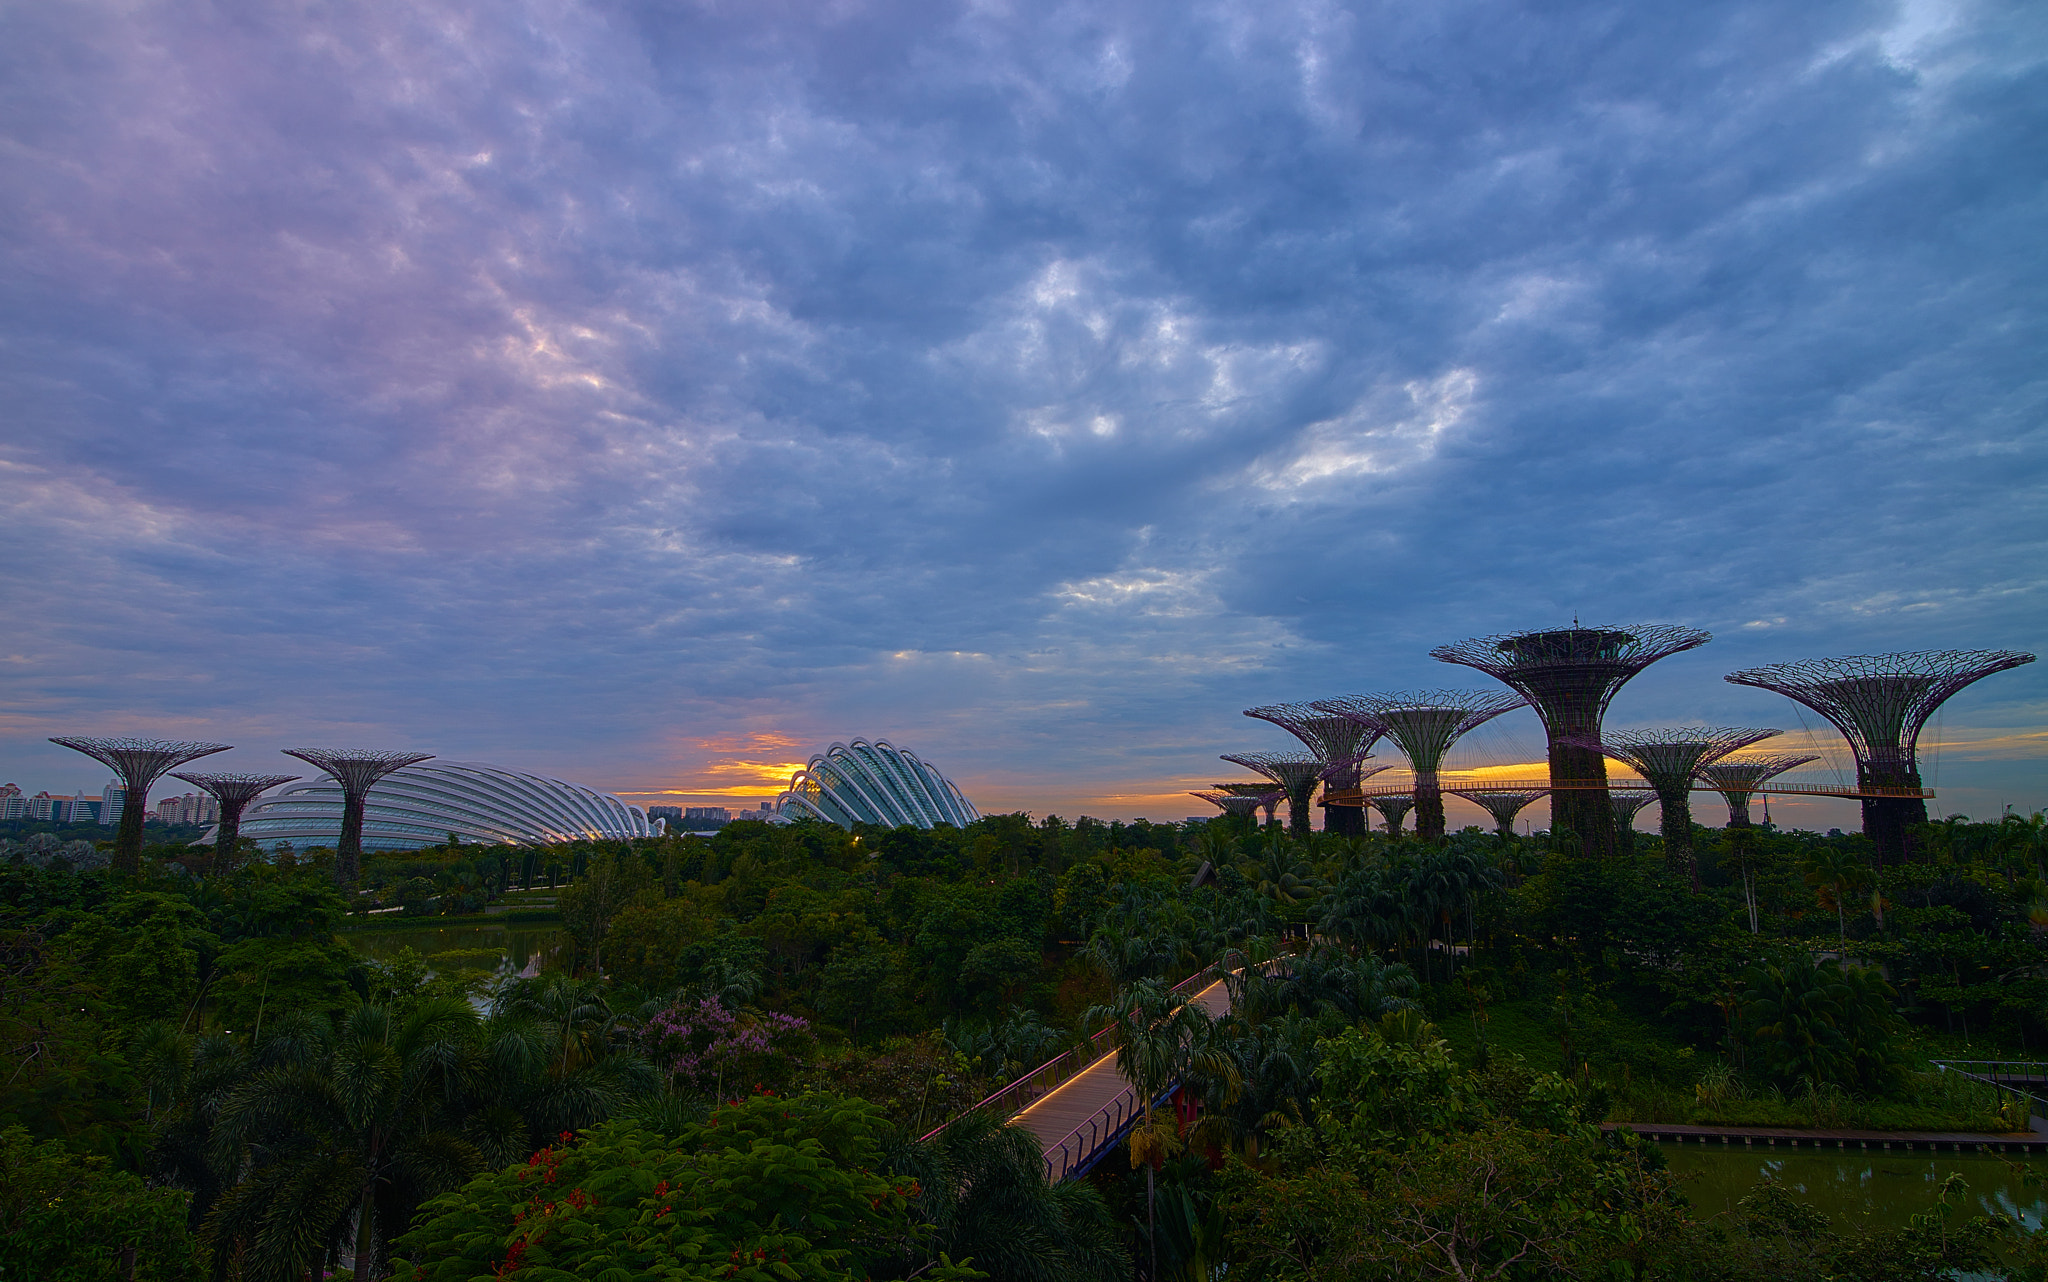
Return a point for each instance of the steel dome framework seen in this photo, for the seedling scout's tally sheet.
(874, 782)
(422, 804)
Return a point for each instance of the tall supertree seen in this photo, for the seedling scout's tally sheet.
(1570, 675)
(1424, 724)
(1393, 809)
(356, 770)
(1667, 759)
(1738, 781)
(1295, 773)
(1626, 804)
(1340, 741)
(1880, 702)
(139, 763)
(234, 793)
(1502, 804)
(1269, 797)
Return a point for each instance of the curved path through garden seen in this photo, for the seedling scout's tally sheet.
(1087, 1113)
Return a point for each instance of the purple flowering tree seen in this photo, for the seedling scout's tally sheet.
(706, 1047)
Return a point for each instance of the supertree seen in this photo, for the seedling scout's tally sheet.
(356, 770)
(1880, 702)
(1295, 773)
(1502, 804)
(1340, 741)
(234, 793)
(1570, 675)
(1738, 781)
(1627, 803)
(1240, 805)
(1667, 759)
(1393, 809)
(140, 763)
(1424, 724)
(1269, 798)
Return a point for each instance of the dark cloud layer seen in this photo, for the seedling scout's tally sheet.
(593, 387)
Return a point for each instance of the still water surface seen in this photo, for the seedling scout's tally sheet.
(1856, 1188)
(470, 945)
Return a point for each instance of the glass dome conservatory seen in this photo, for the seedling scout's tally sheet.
(875, 783)
(420, 805)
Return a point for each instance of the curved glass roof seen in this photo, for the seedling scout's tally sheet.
(420, 805)
(875, 783)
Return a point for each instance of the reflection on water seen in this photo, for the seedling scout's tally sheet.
(470, 945)
(1851, 1185)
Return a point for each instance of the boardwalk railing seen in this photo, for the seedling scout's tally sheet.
(1035, 1085)
(2027, 1079)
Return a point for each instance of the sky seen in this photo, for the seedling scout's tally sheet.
(652, 394)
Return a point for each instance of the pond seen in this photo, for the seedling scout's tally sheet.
(1852, 1186)
(476, 944)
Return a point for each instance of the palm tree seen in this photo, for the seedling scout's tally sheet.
(559, 1039)
(1834, 872)
(369, 1120)
(983, 1191)
(1162, 1038)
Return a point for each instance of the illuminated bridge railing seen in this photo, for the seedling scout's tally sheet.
(1086, 1142)
(1035, 1085)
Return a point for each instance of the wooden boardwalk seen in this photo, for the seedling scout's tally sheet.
(1790, 1137)
(1080, 1115)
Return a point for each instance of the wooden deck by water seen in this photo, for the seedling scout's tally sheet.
(1072, 1119)
(1790, 1137)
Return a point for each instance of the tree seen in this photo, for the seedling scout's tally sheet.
(1817, 1023)
(1836, 872)
(362, 1120)
(66, 1217)
(607, 885)
(984, 1193)
(768, 1190)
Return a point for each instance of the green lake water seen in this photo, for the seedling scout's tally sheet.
(469, 945)
(1851, 1186)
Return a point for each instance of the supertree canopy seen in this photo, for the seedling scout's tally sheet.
(1269, 796)
(1393, 809)
(1880, 702)
(1503, 804)
(356, 770)
(234, 793)
(1296, 773)
(1738, 781)
(1570, 675)
(1340, 741)
(139, 763)
(1627, 803)
(1424, 724)
(1240, 805)
(1667, 759)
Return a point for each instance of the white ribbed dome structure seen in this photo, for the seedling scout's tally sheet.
(874, 783)
(421, 804)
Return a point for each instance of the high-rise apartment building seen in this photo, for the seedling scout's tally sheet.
(190, 808)
(12, 804)
(83, 808)
(112, 798)
(713, 814)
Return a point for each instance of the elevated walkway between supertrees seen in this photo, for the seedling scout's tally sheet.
(1359, 796)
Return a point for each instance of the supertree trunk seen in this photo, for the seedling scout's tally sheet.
(127, 859)
(1674, 812)
(1429, 810)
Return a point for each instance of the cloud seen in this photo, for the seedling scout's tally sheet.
(595, 386)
